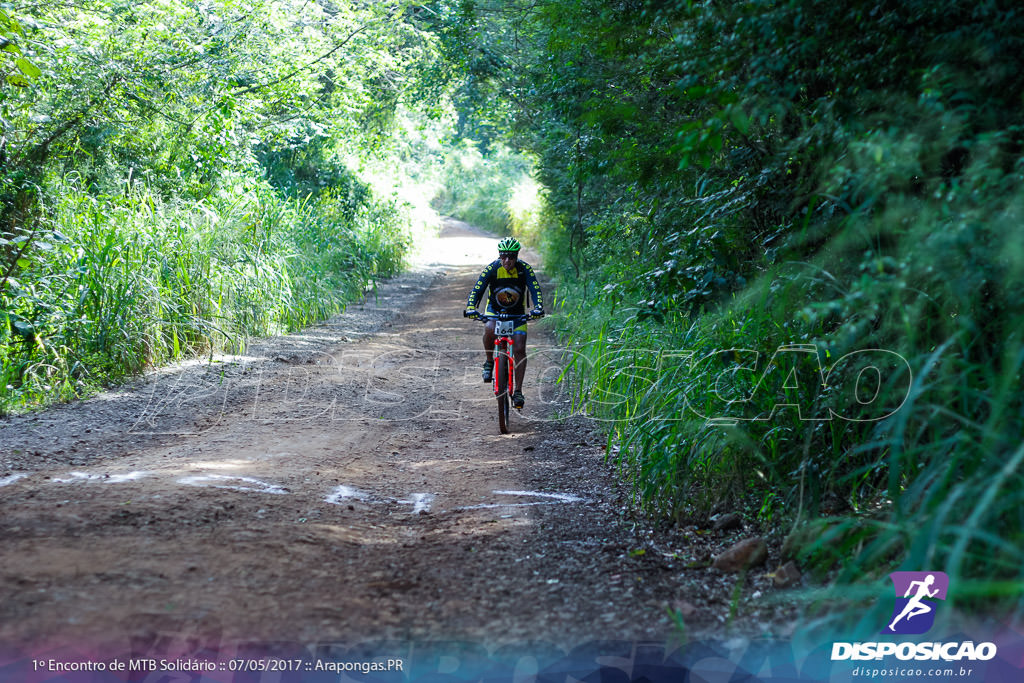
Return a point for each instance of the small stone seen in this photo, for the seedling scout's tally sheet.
(750, 552)
(684, 608)
(786, 575)
(728, 521)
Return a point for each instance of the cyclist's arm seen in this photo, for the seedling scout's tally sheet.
(477, 292)
(534, 287)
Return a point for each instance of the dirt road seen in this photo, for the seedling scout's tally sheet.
(345, 484)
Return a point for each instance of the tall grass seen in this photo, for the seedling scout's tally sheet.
(920, 465)
(116, 283)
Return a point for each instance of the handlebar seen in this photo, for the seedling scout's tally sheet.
(483, 317)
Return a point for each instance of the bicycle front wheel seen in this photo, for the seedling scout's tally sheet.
(504, 401)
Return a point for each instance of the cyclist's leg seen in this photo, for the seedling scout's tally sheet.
(489, 340)
(488, 369)
(519, 354)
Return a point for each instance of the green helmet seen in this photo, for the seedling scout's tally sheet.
(508, 244)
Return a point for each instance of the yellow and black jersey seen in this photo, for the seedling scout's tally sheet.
(507, 288)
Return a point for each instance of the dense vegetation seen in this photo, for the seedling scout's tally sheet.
(743, 199)
(176, 176)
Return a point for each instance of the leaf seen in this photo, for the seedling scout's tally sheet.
(18, 80)
(8, 23)
(24, 263)
(23, 329)
(28, 68)
(739, 119)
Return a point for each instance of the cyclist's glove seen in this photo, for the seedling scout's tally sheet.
(470, 313)
(537, 312)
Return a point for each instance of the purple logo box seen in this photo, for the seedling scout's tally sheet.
(917, 594)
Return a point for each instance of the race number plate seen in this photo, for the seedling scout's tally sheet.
(504, 327)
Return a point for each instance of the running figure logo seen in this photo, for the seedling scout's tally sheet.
(915, 611)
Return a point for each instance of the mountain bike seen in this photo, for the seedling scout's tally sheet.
(504, 363)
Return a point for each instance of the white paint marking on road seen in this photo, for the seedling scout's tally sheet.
(563, 497)
(343, 493)
(106, 478)
(553, 499)
(420, 502)
(491, 506)
(257, 485)
(72, 477)
(7, 481)
(129, 476)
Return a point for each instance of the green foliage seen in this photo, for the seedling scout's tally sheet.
(174, 177)
(18, 70)
(495, 191)
(725, 179)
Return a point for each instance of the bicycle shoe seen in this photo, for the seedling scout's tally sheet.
(488, 373)
(518, 400)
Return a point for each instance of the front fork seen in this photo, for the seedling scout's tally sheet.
(503, 347)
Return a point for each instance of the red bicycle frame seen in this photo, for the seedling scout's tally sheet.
(503, 379)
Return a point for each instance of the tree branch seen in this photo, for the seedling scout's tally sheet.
(322, 57)
(38, 154)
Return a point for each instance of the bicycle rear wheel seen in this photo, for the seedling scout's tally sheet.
(503, 393)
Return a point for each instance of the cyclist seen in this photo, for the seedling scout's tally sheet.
(508, 280)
